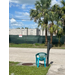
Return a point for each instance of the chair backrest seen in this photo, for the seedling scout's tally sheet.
(41, 55)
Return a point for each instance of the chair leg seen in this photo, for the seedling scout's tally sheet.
(38, 63)
(44, 62)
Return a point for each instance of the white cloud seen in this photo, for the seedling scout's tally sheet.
(11, 4)
(22, 15)
(31, 25)
(24, 1)
(14, 1)
(26, 14)
(33, 2)
(30, 7)
(19, 16)
(17, 12)
(56, 2)
(15, 24)
(12, 20)
(17, 5)
(24, 20)
(34, 25)
(20, 24)
(10, 15)
(26, 10)
(23, 6)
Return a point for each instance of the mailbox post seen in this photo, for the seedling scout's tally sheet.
(49, 46)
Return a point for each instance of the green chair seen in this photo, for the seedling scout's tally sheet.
(41, 57)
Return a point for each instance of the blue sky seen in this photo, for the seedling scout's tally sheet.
(19, 13)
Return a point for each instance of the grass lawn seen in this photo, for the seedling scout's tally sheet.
(36, 45)
(26, 70)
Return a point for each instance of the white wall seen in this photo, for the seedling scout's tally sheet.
(28, 32)
(14, 31)
(42, 32)
(32, 32)
(24, 31)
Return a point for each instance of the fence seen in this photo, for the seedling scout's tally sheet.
(33, 39)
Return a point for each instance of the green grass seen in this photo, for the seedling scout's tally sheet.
(24, 45)
(36, 45)
(26, 70)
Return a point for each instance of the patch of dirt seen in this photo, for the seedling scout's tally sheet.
(29, 64)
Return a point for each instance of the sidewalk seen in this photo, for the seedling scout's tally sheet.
(58, 65)
(56, 70)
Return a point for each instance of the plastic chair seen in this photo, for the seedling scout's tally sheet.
(41, 57)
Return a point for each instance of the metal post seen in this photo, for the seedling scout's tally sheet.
(48, 53)
(48, 49)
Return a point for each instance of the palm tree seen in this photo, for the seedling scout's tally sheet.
(60, 19)
(55, 14)
(51, 18)
(59, 34)
(63, 14)
(41, 11)
(22, 28)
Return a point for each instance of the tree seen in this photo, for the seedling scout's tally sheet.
(18, 28)
(52, 16)
(59, 34)
(41, 11)
(56, 29)
(60, 11)
(55, 14)
(26, 27)
(63, 8)
(22, 28)
(63, 14)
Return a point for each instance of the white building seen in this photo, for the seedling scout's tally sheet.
(33, 32)
(28, 32)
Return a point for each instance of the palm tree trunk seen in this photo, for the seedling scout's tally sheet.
(51, 36)
(45, 36)
(59, 42)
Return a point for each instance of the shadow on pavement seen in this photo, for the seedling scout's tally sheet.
(51, 62)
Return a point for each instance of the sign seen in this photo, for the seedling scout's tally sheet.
(20, 35)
